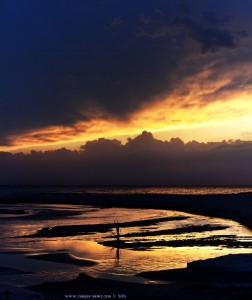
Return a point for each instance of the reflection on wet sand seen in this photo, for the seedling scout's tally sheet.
(209, 279)
(169, 240)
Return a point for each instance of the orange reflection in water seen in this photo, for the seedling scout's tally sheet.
(81, 249)
(122, 261)
(129, 262)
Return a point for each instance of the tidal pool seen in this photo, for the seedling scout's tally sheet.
(112, 262)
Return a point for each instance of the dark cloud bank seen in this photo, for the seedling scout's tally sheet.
(62, 59)
(143, 160)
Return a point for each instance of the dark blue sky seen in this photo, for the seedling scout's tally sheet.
(60, 58)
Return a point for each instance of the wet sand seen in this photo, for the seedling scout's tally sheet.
(189, 283)
(11, 271)
(5, 211)
(193, 242)
(227, 277)
(222, 270)
(48, 215)
(237, 207)
(65, 258)
(209, 279)
(72, 230)
(182, 230)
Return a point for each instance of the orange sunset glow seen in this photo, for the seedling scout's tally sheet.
(185, 75)
(126, 149)
(228, 117)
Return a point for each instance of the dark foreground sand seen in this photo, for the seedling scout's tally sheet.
(228, 277)
(11, 271)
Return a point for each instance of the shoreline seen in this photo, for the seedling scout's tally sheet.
(237, 207)
(207, 279)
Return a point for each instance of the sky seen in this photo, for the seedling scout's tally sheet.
(74, 71)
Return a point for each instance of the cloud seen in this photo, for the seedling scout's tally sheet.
(117, 21)
(213, 19)
(61, 67)
(185, 30)
(142, 160)
(101, 147)
(220, 92)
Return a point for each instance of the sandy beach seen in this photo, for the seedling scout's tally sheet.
(126, 149)
(237, 207)
(65, 258)
(209, 279)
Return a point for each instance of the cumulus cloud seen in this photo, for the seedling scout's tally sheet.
(142, 160)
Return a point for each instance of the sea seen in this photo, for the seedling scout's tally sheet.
(173, 190)
(19, 222)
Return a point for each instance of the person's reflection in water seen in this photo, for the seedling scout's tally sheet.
(117, 257)
(117, 242)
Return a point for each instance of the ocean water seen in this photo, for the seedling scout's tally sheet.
(179, 190)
